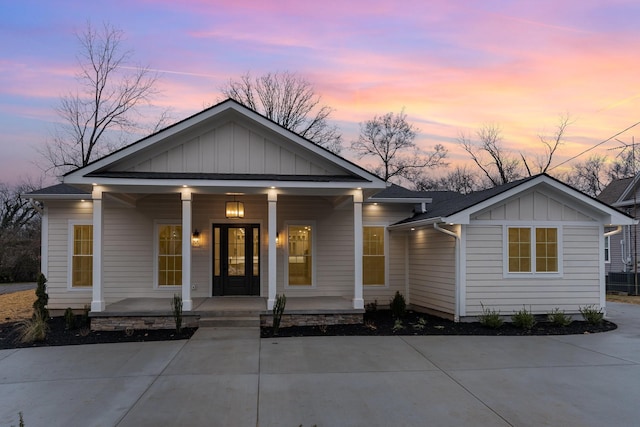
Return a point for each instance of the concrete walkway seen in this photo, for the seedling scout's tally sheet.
(222, 377)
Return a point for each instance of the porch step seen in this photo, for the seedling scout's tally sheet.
(230, 321)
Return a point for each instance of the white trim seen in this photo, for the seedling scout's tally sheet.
(601, 269)
(272, 251)
(156, 253)
(314, 254)
(71, 223)
(187, 209)
(386, 255)
(358, 291)
(533, 274)
(44, 243)
(463, 270)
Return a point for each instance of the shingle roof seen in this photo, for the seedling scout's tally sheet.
(614, 190)
(58, 189)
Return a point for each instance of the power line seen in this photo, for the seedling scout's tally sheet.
(595, 146)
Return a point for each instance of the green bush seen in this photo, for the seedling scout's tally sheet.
(558, 318)
(69, 319)
(398, 325)
(42, 299)
(398, 305)
(524, 319)
(490, 318)
(592, 315)
(176, 308)
(278, 309)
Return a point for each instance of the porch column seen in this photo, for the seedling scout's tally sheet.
(272, 198)
(358, 300)
(97, 300)
(187, 303)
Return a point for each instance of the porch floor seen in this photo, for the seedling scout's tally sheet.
(214, 305)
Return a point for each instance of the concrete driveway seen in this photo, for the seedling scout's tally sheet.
(222, 377)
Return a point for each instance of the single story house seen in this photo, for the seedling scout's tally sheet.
(228, 203)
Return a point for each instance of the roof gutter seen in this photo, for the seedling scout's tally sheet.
(458, 306)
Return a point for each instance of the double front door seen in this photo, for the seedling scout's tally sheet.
(236, 259)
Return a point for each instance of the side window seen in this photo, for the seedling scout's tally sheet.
(82, 256)
(607, 249)
(169, 255)
(373, 256)
(300, 255)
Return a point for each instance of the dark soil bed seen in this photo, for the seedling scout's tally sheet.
(382, 323)
(59, 335)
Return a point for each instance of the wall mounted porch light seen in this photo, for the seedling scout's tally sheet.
(195, 238)
(234, 209)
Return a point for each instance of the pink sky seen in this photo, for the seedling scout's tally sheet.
(453, 66)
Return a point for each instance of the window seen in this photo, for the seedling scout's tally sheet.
(300, 261)
(82, 256)
(373, 257)
(169, 255)
(539, 256)
(607, 249)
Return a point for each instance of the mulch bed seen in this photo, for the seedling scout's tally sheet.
(59, 335)
(381, 322)
(378, 323)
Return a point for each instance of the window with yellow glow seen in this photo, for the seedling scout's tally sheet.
(82, 258)
(373, 258)
(526, 256)
(300, 262)
(169, 255)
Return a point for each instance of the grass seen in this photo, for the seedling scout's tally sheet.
(628, 299)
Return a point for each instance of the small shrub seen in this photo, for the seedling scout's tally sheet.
(370, 325)
(371, 307)
(523, 319)
(592, 315)
(398, 325)
(490, 318)
(278, 309)
(176, 308)
(558, 318)
(34, 329)
(69, 319)
(42, 299)
(398, 305)
(420, 325)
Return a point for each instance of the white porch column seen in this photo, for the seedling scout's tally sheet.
(358, 300)
(97, 301)
(272, 198)
(187, 303)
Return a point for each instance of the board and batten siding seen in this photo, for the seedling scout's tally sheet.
(432, 270)
(232, 147)
(396, 255)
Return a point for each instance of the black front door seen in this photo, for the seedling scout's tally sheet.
(236, 259)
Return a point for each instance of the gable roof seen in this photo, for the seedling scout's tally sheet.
(109, 170)
(618, 191)
(458, 210)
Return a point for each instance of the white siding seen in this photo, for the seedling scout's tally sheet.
(384, 215)
(432, 274)
(486, 284)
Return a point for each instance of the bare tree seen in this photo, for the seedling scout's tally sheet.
(495, 162)
(389, 139)
(550, 143)
(289, 100)
(461, 180)
(588, 176)
(19, 234)
(104, 107)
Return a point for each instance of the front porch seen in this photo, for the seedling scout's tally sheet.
(156, 313)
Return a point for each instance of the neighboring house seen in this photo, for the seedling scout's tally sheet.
(622, 243)
(228, 202)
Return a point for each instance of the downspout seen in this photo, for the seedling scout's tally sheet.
(36, 206)
(618, 230)
(456, 316)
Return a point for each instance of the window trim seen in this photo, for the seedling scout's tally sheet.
(386, 256)
(156, 253)
(533, 274)
(314, 254)
(71, 226)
